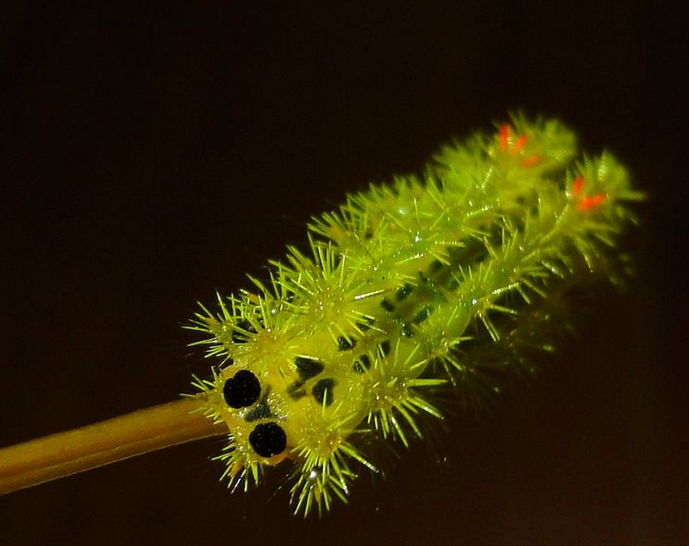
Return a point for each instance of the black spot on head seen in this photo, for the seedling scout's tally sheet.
(422, 314)
(387, 305)
(323, 391)
(345, 343)
(362, 363)
(435, 266)
(261, 411)
(242, 389)
(296, 390)
(404, 291)
(406, 330)
(385, 347)
(366, 324)
(308, 367)
(268, 439)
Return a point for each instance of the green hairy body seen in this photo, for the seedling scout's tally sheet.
(447, 281)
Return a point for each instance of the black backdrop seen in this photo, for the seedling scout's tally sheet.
(151, 154)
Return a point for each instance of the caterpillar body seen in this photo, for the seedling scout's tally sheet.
(440, 281)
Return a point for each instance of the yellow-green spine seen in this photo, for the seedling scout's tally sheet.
(401, 283)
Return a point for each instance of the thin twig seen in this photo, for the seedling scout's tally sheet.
(66, 453)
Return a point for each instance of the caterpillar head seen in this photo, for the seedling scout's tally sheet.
(299, 390)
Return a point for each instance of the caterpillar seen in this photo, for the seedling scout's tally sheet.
(447, 280)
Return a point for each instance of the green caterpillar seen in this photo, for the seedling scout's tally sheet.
(451, 280)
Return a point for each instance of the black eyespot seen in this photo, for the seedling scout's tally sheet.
(404, 291)
(261, 411)
(308, 367)
(268, 439)
(387, 305)
(406, 330)
(296, 390)
(323, 391)
(242, 390)
(362, 363)
(365, 324)
(385, 347)
(345, 344)
(422, 314)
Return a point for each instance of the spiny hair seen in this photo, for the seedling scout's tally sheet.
(454, 279)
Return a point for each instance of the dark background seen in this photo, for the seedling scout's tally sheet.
(151, 154)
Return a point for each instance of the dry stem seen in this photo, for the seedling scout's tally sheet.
(66, 453)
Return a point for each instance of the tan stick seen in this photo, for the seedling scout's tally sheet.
(66, 453)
